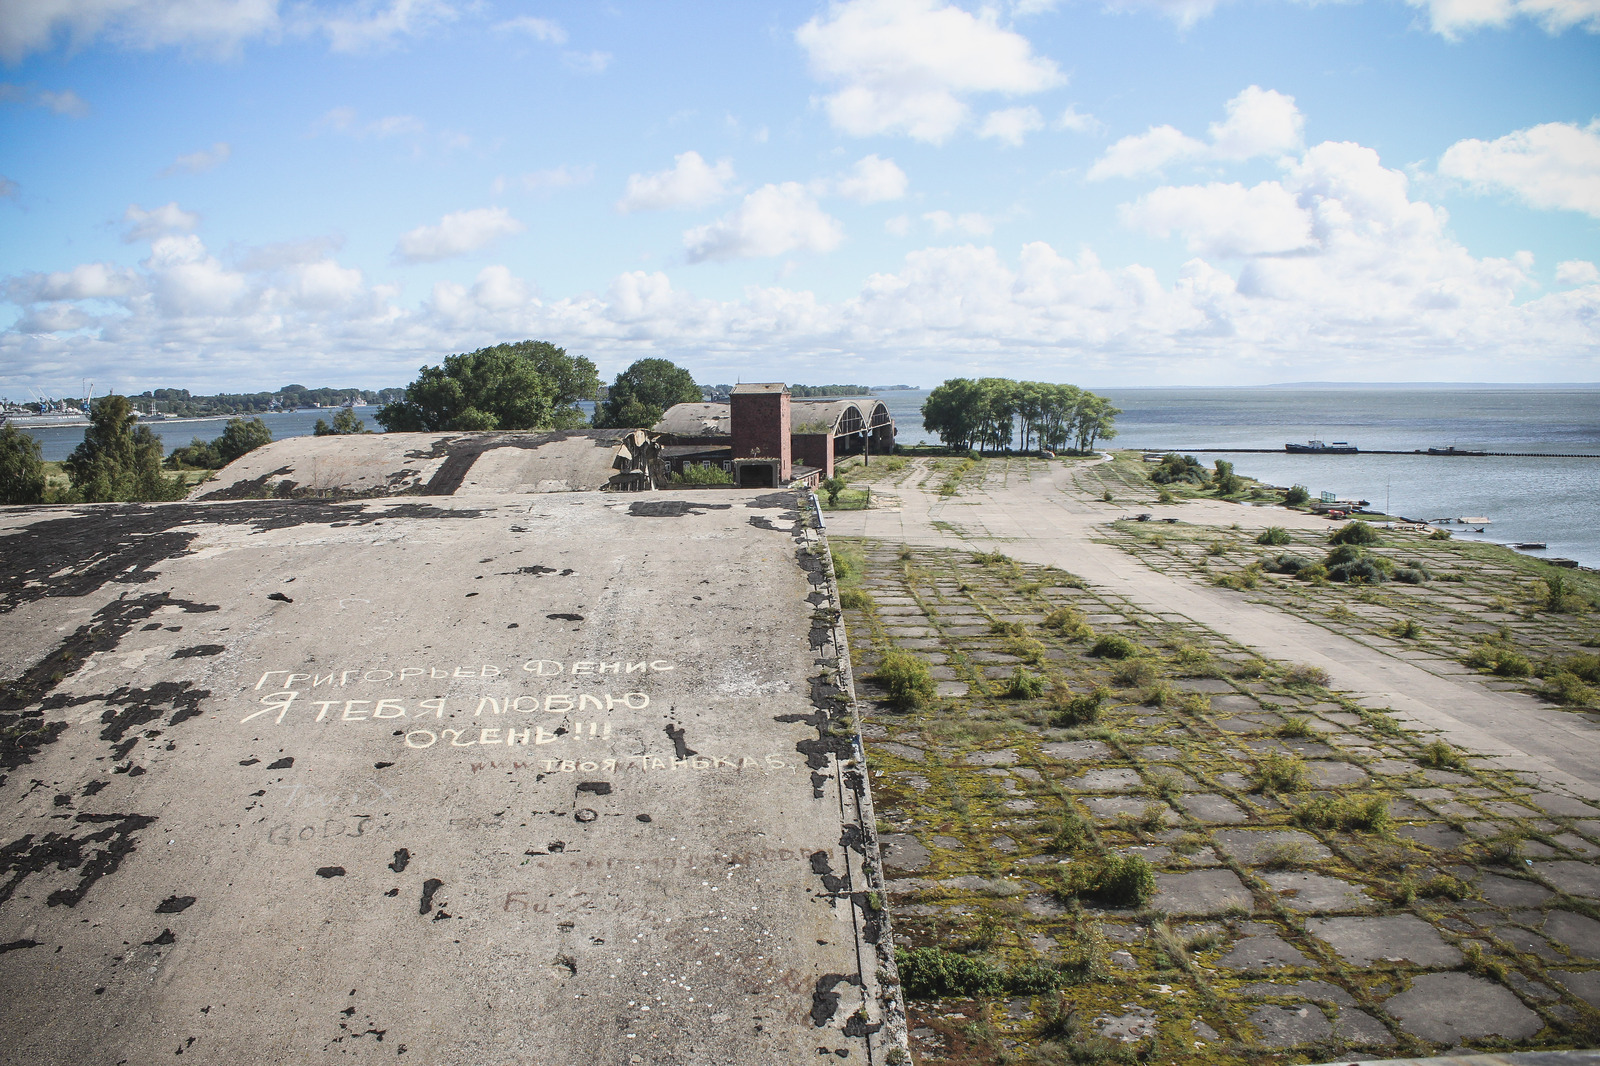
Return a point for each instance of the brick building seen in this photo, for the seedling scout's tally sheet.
(764, 437)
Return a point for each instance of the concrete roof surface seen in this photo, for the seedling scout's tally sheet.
(476, 779)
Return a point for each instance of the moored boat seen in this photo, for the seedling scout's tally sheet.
(1317, 447)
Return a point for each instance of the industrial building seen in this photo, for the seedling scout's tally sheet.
(764, 437)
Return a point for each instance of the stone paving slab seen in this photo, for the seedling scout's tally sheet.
(1396, 938)
(1451, 1007)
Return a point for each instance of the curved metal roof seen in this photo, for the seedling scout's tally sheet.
(697, 420)
(715, 419)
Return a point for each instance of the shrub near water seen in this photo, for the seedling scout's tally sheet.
(907, 677)
(1274, 535)
(1356, 532)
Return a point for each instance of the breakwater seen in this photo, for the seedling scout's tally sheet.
(1373, 451)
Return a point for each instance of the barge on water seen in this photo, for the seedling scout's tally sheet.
(1317, 447)
(1455, 451)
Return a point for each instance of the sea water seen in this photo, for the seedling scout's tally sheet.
(1525, 499)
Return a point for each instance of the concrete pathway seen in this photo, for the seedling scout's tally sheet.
(1046, 521)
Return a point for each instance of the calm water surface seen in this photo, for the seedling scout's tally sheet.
(1537, 499)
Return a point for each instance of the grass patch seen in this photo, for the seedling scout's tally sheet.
(1277, 536)
(855, 600)
(1113, 880)
(1278, 772)
(1083, 708)
(1023, 685)
(1296, 727)
(1115, 646)
(1441, 756)
(1369, 813)
(907, 677)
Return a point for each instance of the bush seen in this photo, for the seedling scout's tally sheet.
(855, 600)
(1072, 832)
(345, 423)
(929, 973)
(1511, 664)
(1586, 667)
(1174, 469)
(1355, 532)
(1226, 481)
(1407, 630)
(1441, 756)
(22, 477)
(1296, 727)
(1069, 622)
(1568, 690)
(1274, 535)
(1287, 564)
(704, 474)
(907, 678)
(1114, 646)
(1297, 496)
(1412, 575)
(1135, 673)
(1439, 534)
(1277, 772)
(1114, 880)
(1301, 675)
(1082, 709)
(933, 973)
(1024, 686)
(1370, 812)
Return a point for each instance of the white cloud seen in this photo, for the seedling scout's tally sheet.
(1224, 220)
(545, 31)
(773, 220)
(1146, 153)
(1453, 18)
(1260, 122)
(365, 29)
(146, 225)
(1577, 272)
(456, 234)
(587, 62)
(898, 226)
(216, 26)
(1556, 165)
(905, 66)
(690, 183)
(871, 181)
(1078, 121)
(65, 102)
(1011, 125)
(971, 222)
(200, 162)
(561, 177)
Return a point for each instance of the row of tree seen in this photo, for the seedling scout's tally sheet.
(988, 414)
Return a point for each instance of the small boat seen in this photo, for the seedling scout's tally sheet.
(1317, 447)
(1478, 530)
(1531, 546)
(1473, 521)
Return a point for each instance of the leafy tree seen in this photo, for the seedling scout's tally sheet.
(527, 385)
(239, 436)
(1296, 495)
(642, 393)
(21, 467)
(119, 460)
(344, 423)
(986, 413)
(833, 486)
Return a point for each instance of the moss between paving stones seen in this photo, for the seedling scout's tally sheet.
(992, 805)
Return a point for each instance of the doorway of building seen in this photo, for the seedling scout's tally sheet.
(755, 476)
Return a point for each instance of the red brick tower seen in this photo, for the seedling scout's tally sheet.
(761, 447)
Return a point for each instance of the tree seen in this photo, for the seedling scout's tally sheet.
(527, 385)
(119, 460)
(344, 423)
(984, 413)
(642, 393)
(1174, 468)
(21, 467)
(239, 436)
(1226, 481)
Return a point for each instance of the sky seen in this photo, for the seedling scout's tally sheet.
(240, 194)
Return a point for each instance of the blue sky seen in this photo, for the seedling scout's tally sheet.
(239, 194)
